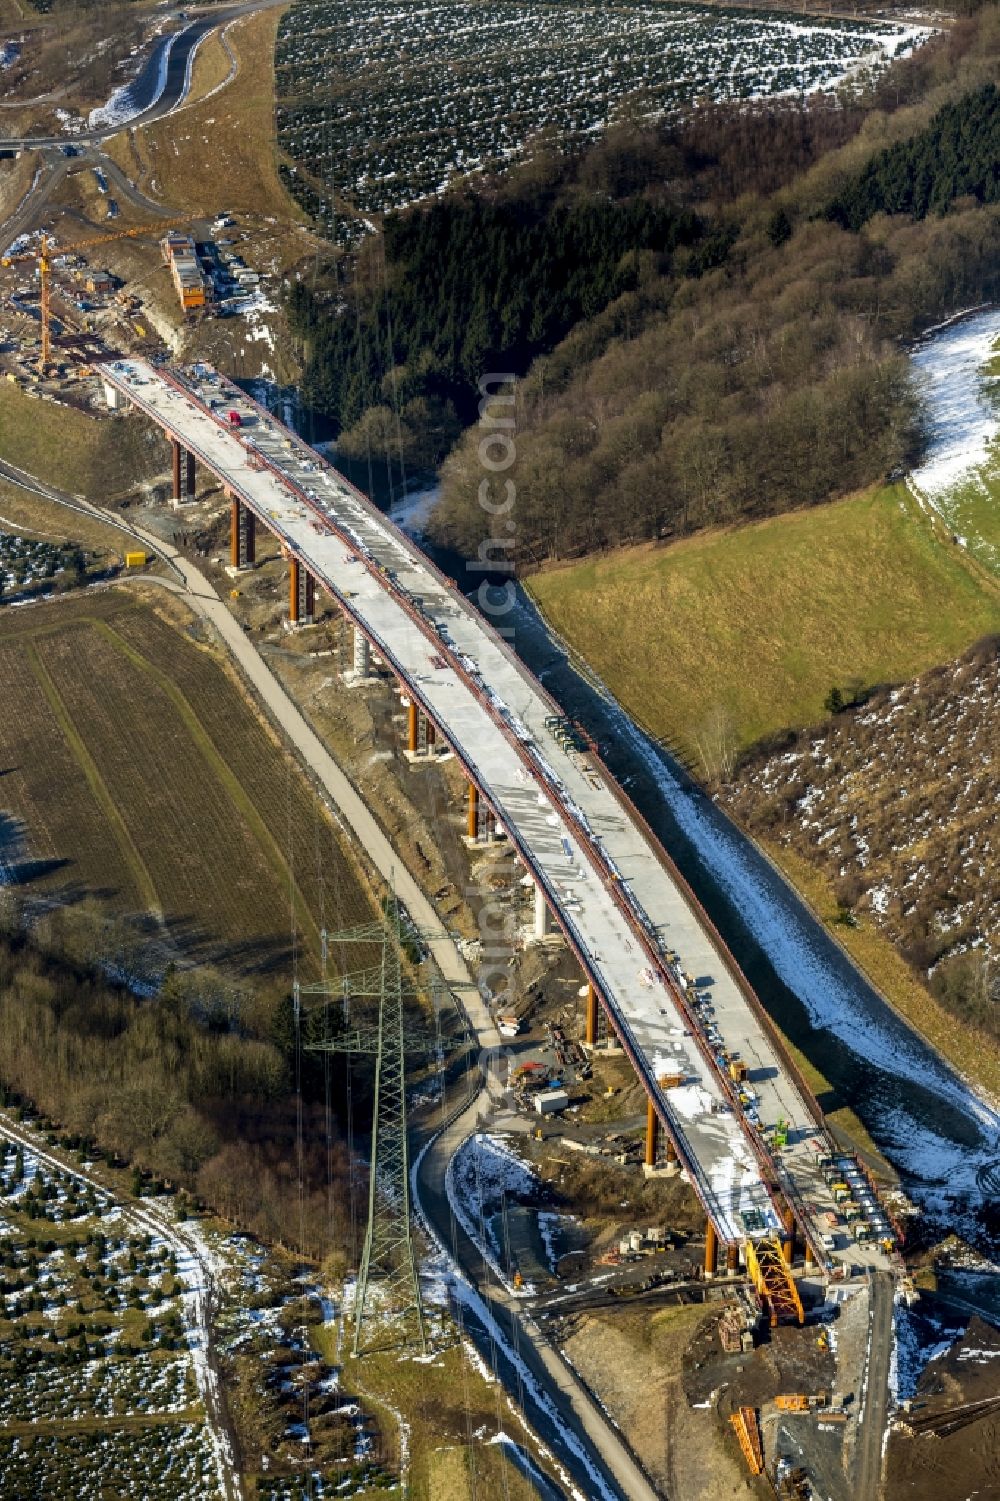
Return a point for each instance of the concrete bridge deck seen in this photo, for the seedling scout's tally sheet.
(638, 933)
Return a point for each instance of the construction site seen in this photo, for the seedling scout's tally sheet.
(687, 1195)
(589, 1103)
(62, 308)
(641, 1069)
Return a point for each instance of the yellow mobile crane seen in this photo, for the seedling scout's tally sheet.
(47, 253)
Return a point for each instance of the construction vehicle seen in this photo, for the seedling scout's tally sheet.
(800, 1402)
(45, 255)
(793, 1483)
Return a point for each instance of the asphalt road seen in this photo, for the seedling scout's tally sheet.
(868, 1452)
(186, 40)
(565, 1417)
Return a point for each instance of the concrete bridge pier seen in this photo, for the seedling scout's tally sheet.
(301, 594)
(480, 824)
(362, 654)
(711, 1249)
(421, 737)
(182, 473)
(360, 672)
(242, 537)
(541, 913)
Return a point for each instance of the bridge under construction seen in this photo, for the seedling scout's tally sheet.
(725, 1098)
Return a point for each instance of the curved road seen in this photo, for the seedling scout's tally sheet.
(55, 166)
(182, 46)
(554, 1401)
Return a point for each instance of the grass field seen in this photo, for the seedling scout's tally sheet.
(102, 458)
(750, 628)
(134, 771)
(29, 515)
(452, 1413)
(972, 510)
(15, 180)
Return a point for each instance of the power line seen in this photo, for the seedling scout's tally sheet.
(388, 1256)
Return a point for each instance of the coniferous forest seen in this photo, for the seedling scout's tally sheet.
(957, 155)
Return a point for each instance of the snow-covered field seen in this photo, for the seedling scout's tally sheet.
(97, 1324)
(964, 418)
(960, 476)
(386, 104)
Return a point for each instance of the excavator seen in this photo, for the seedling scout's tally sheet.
(47, 252)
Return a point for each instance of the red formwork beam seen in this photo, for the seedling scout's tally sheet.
(596, 859)
(594, 855)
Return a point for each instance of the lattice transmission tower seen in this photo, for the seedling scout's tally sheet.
(388, 1257)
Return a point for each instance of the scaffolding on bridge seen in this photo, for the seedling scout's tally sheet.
(771, 1277)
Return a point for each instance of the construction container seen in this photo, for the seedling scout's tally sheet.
(135, 560)
(180, 255)
(550, 1101)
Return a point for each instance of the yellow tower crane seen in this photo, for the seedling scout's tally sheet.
(47, 252)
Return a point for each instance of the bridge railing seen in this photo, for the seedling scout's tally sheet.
(529, 755)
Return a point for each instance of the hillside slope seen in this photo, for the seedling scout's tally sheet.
(897, 804)
(735, 634)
